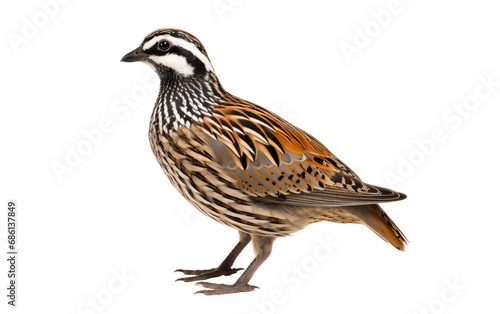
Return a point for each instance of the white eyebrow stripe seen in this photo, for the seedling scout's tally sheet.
(150, 43)
(183, 44)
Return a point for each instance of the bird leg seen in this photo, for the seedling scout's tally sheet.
(262, 247)
(224, 268)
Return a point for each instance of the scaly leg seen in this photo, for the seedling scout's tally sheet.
(224, 268)
(262, 247)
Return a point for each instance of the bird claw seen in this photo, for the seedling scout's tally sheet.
(218, 289)
(197, 275)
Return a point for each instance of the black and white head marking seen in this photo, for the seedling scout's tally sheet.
(178, 51)
(189, 87)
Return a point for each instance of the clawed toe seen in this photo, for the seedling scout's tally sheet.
(218, 289)
(190, 272)
(197, 275)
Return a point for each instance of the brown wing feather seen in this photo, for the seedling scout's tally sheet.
(275, 162)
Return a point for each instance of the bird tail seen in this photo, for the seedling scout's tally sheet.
(374, 217)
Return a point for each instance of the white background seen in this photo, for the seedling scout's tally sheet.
(114, 210)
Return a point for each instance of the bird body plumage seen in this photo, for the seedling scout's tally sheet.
(245, 166)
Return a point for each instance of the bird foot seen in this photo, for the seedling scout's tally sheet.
(197, 275)
(218, 289)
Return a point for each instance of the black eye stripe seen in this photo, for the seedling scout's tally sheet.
(196, 63)
(156, 50)
(188, 39)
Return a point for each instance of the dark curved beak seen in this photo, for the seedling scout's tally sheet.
(135, 55)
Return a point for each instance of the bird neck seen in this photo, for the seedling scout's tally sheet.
(185, 100)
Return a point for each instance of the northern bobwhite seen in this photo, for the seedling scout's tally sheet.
(245, 166)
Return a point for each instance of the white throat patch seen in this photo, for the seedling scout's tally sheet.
(175, 62)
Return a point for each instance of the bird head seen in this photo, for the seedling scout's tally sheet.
(172, 52)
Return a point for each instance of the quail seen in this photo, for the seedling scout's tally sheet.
(245, 166)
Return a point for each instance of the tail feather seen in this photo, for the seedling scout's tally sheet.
(374, 217)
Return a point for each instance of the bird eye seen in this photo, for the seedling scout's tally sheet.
(164, 45)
